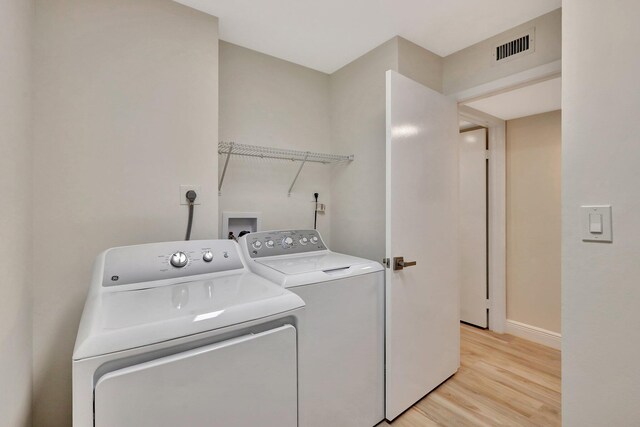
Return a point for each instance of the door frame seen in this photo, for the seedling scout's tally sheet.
(497, 185)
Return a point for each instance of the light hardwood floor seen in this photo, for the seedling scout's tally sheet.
(503, 381)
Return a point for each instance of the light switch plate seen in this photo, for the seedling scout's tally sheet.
(590, 213)
(183, 194)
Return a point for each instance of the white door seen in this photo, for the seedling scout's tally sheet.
(423, 315)
(473, 227)
(243, 382)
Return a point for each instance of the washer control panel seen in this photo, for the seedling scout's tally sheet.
(169, 260)
(270, 243)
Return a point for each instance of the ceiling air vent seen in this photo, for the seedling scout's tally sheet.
(515, 48)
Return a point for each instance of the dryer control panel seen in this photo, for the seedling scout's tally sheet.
(168, 260)
(283, 242)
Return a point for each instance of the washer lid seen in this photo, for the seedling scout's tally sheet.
(116, 321)
(299, 264)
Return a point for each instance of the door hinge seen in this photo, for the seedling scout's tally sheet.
(386, 262)
(486, 154)
(488, 301)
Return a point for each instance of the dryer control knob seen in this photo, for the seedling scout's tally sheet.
(287, 242)
(207, 256)
(257, 244)
(179, 259)
(314, 240)
(270, 243)
(304, 241)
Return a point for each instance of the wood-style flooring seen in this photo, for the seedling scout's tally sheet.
(503, 381)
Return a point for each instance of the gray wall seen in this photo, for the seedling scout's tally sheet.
(270, 102)
(16, 150)
(267, 101)
(419, 64)
(358, 126)
(126, 110)
(600, 157)
(473, 66)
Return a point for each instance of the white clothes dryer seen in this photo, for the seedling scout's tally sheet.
(183, 334)
(342, 344)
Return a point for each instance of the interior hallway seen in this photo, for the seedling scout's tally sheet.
(503, 380)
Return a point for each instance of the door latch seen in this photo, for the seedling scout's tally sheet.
(399, 263)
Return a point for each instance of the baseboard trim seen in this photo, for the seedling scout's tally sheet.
(533, 333)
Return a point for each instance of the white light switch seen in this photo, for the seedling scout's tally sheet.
(596, 223)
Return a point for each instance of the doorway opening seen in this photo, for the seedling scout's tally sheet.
(521, 204)
(474, 228)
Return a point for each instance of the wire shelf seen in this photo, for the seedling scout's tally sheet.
(279, 153)
(232, 149)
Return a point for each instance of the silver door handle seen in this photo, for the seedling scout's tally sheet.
(399, 263)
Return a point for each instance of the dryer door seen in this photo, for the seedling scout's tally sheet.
(243, 382)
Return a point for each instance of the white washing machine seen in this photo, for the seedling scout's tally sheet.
(342, 345)
(183, 334)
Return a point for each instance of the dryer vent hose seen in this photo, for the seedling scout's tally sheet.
(315, 212)
(191, 197)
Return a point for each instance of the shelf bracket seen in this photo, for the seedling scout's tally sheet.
(298, 174)
(224, 169)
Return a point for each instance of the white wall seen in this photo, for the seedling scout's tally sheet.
(126, 110)
(601, 153)
(473, 65)
(270, 102)
(16, 150)
(533, 151)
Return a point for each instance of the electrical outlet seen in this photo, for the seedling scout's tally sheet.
(183, 192)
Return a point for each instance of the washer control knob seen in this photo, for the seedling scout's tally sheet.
(270, 243)
(287, 242)
(304, 241)
(257, 244)
(207, 256)
(179, 259)
(314, 240)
